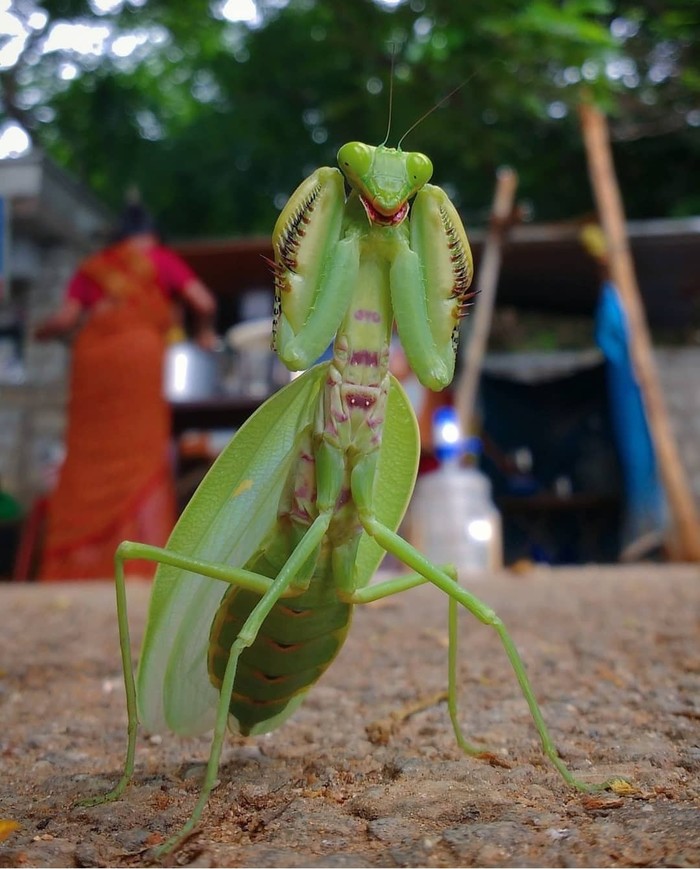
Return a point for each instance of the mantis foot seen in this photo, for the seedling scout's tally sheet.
(89, 802)
(618, 785)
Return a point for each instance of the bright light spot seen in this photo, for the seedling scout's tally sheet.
(693, 118)
(11, 51)
(617, 69)
(240, 10)
(590, 70)
(45, 114)
(124, 46)
(374, 85)
(572, 75)
(29, 97)
(312, 117)
(660, 71)
(149, 125)
(81, 38)
(422, 26)
(37, 19)
(623, 28)
(446, 431)
(180, 366)
(106, 7)
(480, 530)
(449, 433)
(16, 37)
(557, 110)
(205, 88)
(67, 71)
(390, 4)
(14, 141)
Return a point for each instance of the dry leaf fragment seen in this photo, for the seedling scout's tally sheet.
(623, 788)
(7, 828)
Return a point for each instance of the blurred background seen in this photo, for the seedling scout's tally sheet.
(216, 110)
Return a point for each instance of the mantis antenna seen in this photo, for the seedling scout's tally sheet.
(437, 105)
(391, 93)
(444, 99)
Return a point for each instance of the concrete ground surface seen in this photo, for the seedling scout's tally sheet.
(614, 656)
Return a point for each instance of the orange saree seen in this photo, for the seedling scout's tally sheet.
(116, 482)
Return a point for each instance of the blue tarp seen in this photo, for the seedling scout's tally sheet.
(646, 512)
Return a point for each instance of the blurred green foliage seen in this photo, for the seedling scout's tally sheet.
(217, 122)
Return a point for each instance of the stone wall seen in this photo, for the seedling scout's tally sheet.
(679, 372)
(32, 413)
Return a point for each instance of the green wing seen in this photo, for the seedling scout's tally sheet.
(396, 476)
(225, 522)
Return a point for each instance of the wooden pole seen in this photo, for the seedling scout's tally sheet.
(475, 348)
(684, 543)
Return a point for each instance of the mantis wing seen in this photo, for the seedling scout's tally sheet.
(396, 476)
(224, 523)
(228, 517)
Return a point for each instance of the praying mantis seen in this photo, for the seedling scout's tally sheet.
(254, 591)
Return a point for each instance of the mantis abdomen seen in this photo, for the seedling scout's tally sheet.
(297, 642)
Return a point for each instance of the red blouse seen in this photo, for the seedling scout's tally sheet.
(172, 274)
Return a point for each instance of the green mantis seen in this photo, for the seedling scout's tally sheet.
(254, 592)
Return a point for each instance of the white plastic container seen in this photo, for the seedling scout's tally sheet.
(454, 520)
(453, 517)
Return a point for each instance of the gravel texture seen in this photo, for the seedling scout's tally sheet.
(614, 656)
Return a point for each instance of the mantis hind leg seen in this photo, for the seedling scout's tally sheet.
(394, 586)
(400, 549)
(453, 687)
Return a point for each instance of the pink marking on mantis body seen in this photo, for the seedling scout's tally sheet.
(339, 416)
(343, 498)
(361, 399)
(300, 513)
(365, 357)
(368, 314)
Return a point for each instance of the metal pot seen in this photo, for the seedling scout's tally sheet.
(191, 373)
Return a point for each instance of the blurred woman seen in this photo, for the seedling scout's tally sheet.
(116, 482)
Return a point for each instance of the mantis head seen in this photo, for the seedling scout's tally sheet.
(385, 179)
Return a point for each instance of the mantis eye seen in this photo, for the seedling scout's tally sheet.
(419, 168)
(355, 158)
